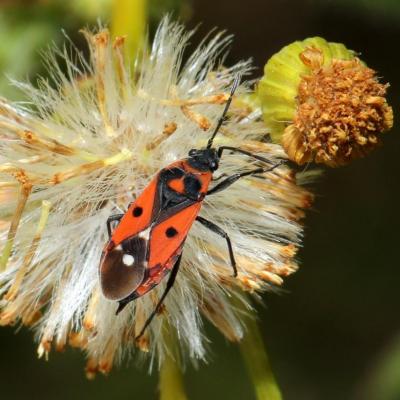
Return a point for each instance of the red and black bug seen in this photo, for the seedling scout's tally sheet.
(147, 243)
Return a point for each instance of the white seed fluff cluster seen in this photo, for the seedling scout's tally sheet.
(84, 147)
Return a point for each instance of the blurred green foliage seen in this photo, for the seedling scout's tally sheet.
(384, 377)
(26, 29)
(29, 27)
(20, 42)
(387, 8)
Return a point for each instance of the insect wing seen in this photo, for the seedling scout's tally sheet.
(123, 268)
(169, 235)
(123, 265)
(166, 241)
(139, 214)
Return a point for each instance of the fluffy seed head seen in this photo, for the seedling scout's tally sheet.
(84, 148)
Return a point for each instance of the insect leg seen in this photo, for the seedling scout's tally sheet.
(223, 116)
(218, 178)
(170, 283)
(216, 229)
(112, 218)
(233, 178)
(247, 153)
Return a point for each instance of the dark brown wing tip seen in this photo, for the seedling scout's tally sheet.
(118, 280)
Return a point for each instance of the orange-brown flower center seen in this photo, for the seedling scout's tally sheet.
(341, 112)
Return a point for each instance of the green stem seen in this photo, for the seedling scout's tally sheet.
(256, 359)
(171, 381)
(129, 17)
(383, 380)
(22, 199)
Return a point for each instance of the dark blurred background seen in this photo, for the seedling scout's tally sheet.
(335, 333)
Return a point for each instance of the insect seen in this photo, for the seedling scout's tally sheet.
(147, 243)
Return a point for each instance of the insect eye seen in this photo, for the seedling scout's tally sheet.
(214, 165)
(192, 152)
(171, 232)
(137, 211)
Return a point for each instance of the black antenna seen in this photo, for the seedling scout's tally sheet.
(222, 118)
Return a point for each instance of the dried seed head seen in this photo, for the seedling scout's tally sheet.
(334, 109)
(86, 151)
(341, 110)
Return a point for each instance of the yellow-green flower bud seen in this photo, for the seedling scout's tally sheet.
(322, 103)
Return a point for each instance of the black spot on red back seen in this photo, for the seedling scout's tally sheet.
(171, 232)
(137, 211)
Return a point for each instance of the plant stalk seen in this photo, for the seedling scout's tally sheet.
(129, 18)
(171, 381)
(255, 356)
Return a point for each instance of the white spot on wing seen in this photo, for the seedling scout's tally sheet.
(145, 234)
(128, 260)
